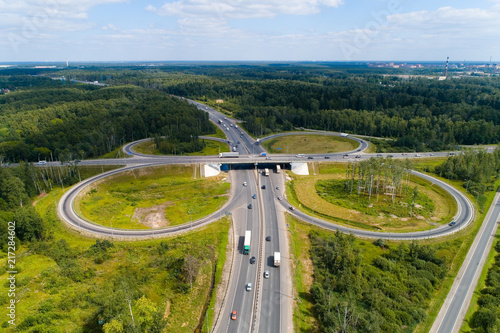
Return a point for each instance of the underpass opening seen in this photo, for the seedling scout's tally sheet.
(261, 166)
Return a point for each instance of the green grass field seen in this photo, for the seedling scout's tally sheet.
(211, 148)
(52, 300)
(309, 144)
(314, 195)
(152, 198)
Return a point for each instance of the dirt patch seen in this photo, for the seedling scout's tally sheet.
(40, 196)
(167, 310)
(152, 217)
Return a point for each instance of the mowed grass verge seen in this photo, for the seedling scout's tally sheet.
(212, 147)
(303, 191)
(309, 144)
(51, 300)
(152, 197)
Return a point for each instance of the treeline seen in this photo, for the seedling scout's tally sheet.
(389, 294)
(421, 114)
(18, 187)
(16, 193)
(65, 123)
(487, 318)
(477, 169)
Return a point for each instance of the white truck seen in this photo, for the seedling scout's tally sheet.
(277, 259)
(278, 169)
(229, 154)
(266, 172)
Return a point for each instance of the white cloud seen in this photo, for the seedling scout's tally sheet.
(242, 9)
(64, 9)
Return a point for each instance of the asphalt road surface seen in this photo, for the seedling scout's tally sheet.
(451, 315)
(262, 220)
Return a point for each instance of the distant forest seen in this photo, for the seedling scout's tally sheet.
(421, 114)
(44, 119)
(42, 116)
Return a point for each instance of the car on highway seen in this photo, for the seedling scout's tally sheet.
(268, 238)
(379, 155)
(280, 198)
(248, 287)
(327, 157)
(250, 206)
(417, 155)
(390, 156)
(244, 183)
(291, 208)
(277, 187)
(358, 156)
(310, 158)
(266, 274)
(254, 196)
(252, 260)
(233, 315)
(452, 223)
(345, 156)
(263, 187)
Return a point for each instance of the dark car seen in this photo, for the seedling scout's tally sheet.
(254, 196)
(310, 158)
(250, 206)
(327, 157)
(268, 238)
(452, 223)
(252, 260)
(263, 187)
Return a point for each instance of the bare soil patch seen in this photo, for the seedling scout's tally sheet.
(152, 217)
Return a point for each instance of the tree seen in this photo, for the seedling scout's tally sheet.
(147, 316)
(114, 326)
(190, 268)
(29, 225)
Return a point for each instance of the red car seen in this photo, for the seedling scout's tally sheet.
(233, 315)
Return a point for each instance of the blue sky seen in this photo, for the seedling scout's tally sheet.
(275, 30)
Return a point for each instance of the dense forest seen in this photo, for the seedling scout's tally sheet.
(487, 318)
(43, 121)
(420, 113)
(390, 294)
(477, 169)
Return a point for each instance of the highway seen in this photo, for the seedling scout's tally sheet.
(455, 306)
(261, 308)
(270, 310)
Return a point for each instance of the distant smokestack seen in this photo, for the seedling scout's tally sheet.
(446, 69)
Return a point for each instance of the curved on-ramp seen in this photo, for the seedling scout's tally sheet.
(66, 211)
(464, 216)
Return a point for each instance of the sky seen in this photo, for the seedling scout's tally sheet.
(249, 30)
